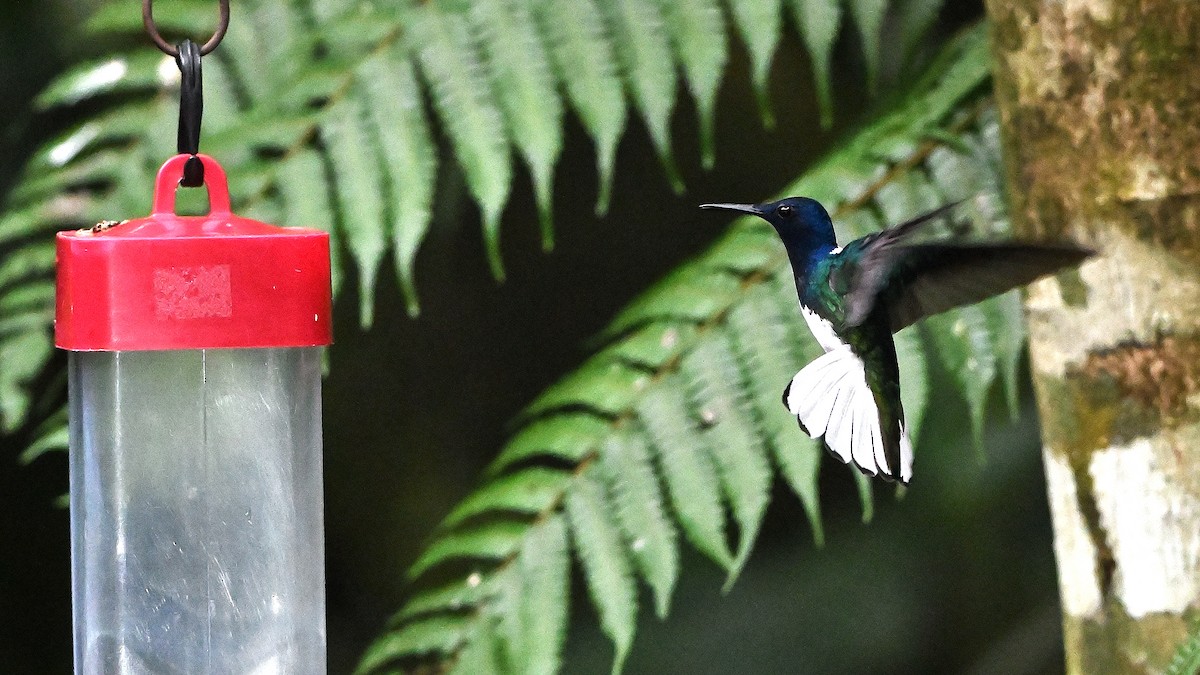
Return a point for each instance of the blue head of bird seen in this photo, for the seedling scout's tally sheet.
(802, 223)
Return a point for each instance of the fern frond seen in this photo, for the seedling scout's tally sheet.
(345, 87)
(914, 376)
(458, 596)
(868, 17)
(1186, 660)
(586, 68)
(432, 635)
(480, 654)
(697, 31)
(1006, 322)
(303, 186)
(455, 76)
(50, 435)
(519, 70)
(687, 468)
(718, 393)
(758, 23)
(408, 158)
(642, 48)
(966, 346)
(674, 424)
(528, 492)
(491, 541)
(120, 74)
(535, 632)
(21, 358)
(354, 167)
(564, 437)
(604, 387)
(602, 556)
(640, 511)
(916, 16)
(819, 21)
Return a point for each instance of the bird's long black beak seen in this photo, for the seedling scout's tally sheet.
(744, 208)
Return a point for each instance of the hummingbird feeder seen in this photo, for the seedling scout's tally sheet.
(194, 344)
(195, 450)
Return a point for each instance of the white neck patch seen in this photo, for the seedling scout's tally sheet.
(822, 330)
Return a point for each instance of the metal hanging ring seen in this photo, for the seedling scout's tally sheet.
(167, 47)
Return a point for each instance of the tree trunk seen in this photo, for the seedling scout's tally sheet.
(1100, 109)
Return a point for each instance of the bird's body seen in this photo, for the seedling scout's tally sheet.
(854, 298)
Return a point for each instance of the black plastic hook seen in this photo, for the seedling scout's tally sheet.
(191, 111)
(191, 90)
(171, 50)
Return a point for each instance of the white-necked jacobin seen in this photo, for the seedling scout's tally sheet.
(856, 296)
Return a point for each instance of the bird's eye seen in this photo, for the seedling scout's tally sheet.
(785, 210)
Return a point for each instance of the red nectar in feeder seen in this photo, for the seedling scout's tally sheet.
(197, 537)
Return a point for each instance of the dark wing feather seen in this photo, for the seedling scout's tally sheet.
(864, 266)
(942, 277)
(919, 280)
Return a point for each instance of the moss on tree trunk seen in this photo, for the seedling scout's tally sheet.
(1100, 109)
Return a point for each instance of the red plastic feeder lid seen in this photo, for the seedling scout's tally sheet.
(192, 282)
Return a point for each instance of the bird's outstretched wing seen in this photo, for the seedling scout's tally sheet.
(916, 280)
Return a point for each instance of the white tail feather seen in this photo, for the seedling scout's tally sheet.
(864, 414)
(866, 423)
(831, 398)
(817, 422)
(841, 418)
(809, 400)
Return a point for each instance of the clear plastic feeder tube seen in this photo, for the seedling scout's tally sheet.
(196, 511)
(197, 540)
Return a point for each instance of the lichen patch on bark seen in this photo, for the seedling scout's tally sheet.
(1149, 520)
(1116, 395)
(1073, 547)
(1163, 376)
(1101, 98)
(1136, 295)
(1115, 643)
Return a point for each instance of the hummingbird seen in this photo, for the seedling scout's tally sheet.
(855, 297)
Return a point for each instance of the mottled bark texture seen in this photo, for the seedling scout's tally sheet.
(1100, 109)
